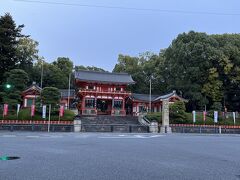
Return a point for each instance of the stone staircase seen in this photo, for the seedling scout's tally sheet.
(106, 123)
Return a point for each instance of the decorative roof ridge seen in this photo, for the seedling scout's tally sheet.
(101, 72)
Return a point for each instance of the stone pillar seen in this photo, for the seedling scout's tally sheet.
(165, 128)
(77, 125)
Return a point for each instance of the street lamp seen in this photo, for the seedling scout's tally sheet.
(41, 74)
(69, 87)
(150, 94)
(8, 86)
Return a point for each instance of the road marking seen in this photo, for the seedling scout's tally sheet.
(130, 136)
(52, 136)
(32, 136)
(157, 135)
(8, 135)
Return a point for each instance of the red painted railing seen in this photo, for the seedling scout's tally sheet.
(201, 125)
(35, 122)
(104, 91)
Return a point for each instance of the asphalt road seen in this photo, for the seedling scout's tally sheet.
(67, 156)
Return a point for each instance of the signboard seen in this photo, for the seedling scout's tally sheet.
(44, 109)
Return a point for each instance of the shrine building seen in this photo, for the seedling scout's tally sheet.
(33, 92)
(104, 93)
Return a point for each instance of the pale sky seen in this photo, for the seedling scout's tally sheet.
(95, 36)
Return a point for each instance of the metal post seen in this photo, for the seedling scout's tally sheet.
(49, 117)
(42, 75)
(69, 89)
(150, 95)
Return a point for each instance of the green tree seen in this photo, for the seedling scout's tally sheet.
(64, 64)
(18, 79)
(187, 67)
(50, 95)
(27, 51)
(89, 68)
(9, 34)
(177, 112)
(133, 66)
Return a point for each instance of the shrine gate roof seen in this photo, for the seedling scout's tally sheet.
(145, 97)
(64, 93)
(104, 77)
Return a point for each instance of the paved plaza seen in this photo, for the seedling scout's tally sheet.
(67, 156)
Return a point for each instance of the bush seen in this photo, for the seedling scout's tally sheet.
(177, 112)
(157, 116)
(25, 114)
(217, 106)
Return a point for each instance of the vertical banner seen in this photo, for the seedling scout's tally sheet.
(61, 111)
(234, 118)
(32, 110)
(18, 108)
(5, 110)
(204, 115)
(194, 116)
(44, 109)
(49, 117)
(215, 116)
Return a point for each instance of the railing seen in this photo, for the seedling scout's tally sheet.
(28, 125)
(114, 128)
(62, 122)
(118, 112)
(104, 91)
(212, 129)
(89, 111)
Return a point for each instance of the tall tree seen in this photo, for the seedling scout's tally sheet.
(88, 68)
(50, 95)
(64, 64)
(187, 66)
(133, 66)
(9, 34)
(17, 80)
(27, 51)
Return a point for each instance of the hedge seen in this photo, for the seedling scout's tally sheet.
(25, 114)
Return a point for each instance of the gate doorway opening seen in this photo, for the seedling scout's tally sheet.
(104, 107)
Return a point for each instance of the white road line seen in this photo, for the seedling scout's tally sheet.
(8, 135)
(157, 135)
(117, 137)
(130, 136)
(32, 136)
(51, 136)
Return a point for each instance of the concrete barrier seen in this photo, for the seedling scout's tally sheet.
(77, 125)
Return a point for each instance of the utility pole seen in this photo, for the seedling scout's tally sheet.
(150, 95)
(42, 75)
(69, 86)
